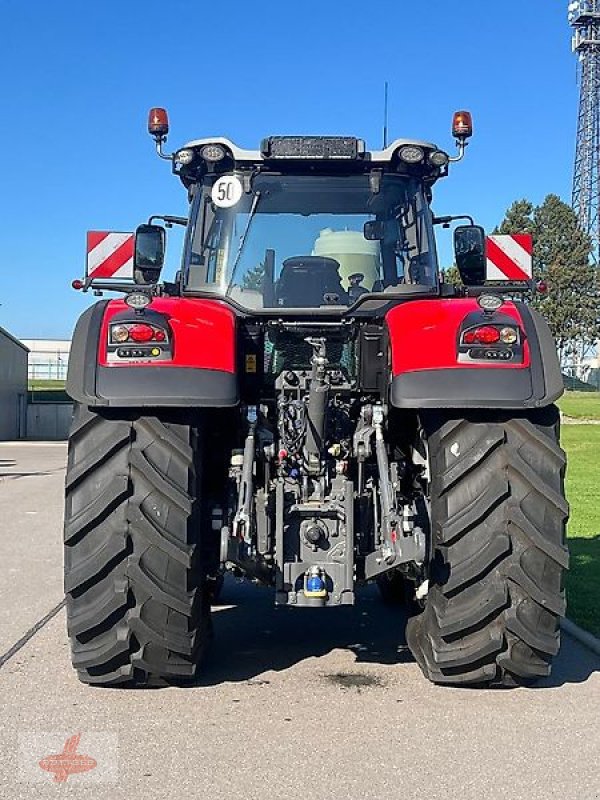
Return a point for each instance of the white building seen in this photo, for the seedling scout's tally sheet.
(48, 358)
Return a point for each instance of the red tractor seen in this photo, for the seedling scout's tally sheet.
(311, 406)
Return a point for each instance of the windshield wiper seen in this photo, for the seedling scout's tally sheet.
(238, 255)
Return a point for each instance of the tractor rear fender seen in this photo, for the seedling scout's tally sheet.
(196, 365)
(430, 368)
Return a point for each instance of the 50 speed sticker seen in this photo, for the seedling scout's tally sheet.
(227, 191)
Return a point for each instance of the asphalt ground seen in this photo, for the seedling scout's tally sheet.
(292, 703)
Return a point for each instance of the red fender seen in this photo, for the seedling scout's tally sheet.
(202, 332)
(424, 335)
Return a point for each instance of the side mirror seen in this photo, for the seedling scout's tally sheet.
(374, 231)
(469, 250)
(149, 253)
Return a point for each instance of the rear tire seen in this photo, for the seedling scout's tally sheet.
(498, 523)
(137, 610)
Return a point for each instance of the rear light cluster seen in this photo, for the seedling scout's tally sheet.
(491, 334)
(138, 332)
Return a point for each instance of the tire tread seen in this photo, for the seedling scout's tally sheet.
(137, 612)
(499, 514)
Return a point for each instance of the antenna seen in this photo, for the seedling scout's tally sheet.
(385, 114)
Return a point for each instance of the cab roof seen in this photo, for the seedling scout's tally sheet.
(241, 155)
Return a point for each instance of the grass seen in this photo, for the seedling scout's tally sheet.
(580, 405)
(582, 444)
(36, 384)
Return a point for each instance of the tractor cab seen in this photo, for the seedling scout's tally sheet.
(309, 222)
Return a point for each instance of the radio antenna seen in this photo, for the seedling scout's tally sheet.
(385, 114)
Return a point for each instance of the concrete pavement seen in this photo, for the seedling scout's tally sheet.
(292, 703)
(31, 489)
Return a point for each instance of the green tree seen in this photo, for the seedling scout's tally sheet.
(253, 279)
(518, 218)
(452, 276)
(562, 259)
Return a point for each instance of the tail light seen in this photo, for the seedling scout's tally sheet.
(141, 333)
(491, 334)
(496, 342)
(509, 335)
(138, 332)
(119, 334)
(486, 334)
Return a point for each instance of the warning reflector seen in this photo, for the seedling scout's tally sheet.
(109, 255)
(509, 258)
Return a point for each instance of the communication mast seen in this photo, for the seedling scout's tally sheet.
(584, 18)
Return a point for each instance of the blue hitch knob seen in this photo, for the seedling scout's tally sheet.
(315, 587)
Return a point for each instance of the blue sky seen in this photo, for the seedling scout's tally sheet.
(78, 80)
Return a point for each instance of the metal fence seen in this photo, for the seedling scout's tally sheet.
(54, 369)
(577, 379)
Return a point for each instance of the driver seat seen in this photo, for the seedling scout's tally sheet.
(310, 282)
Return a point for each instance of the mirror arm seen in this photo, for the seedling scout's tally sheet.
(506, 288)
(445, 221)
(168, 219)
(166, 289)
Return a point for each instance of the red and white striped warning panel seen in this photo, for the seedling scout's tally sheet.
(109, 255)
(510, 258)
